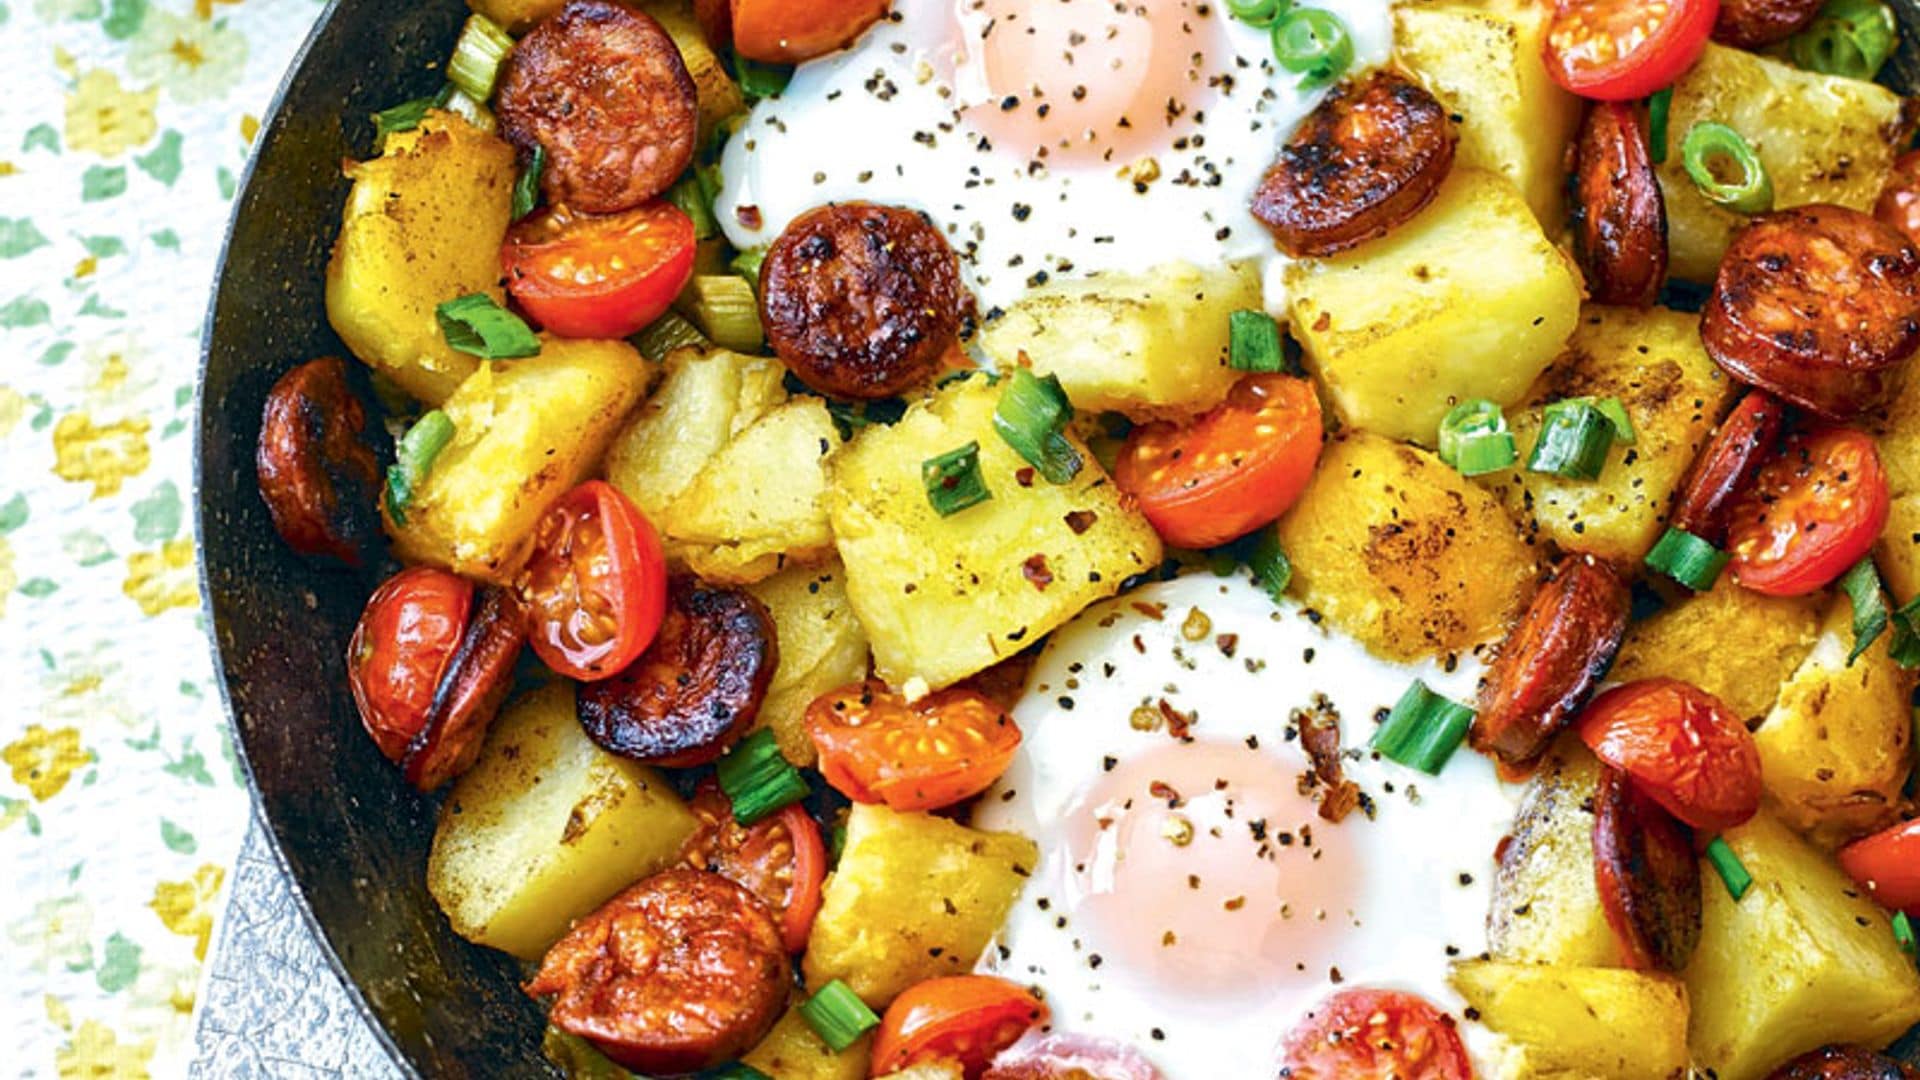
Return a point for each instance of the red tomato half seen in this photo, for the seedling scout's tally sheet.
(779, 858)
(1681, 746)
(876, 748)
(1376, 1035)
(964, 1018)
(1620, 50)
(599, 275)
(1810, 514)
(1211, 480)
(596, 584)
(407, 638)
(1887, 865)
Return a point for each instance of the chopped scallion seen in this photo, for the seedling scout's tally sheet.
(666, 334)
(1852, 38)
(1574, 439)
(836, 841)
(1870, 614)
(1903, 934)
(477, 56)
(1474, 438)
(1732, 871)
(1750, 191)
(1260, 13)
(1616, 412)
(953, 480)
(1659, 108)
(1905, 646)
(748, 263)
(758, 777)
(1032, 417)
(838, 1016)
(1423, 730)
(461, 104)
(526, 187)
(690, 195)
(1687, 559)
(726, 309)
(477, 325)
(1272, 570)
(405, 116)
(758, 80)
(1314, 44)
(414, 457)
(1254, 342)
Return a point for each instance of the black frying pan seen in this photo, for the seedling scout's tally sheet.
(354, 838)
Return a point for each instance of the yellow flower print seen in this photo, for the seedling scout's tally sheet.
(106, 118)
(96, 1053)
(162, 579)
(44, 760)
(104, 455)
(192, 59)
(8, 577)
(13, 407)
(186, 907)
(117, 371)
(56, 934)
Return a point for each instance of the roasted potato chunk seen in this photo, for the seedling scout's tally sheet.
(791, 1051)
(1899, 550)
(761, 500)
(1546, 908)
(1689, 641)
(822, 647)
(1575, 1023)
(704, 400)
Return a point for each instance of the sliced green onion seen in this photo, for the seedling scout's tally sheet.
(758, 80)
(406, 116)
(1261, 13)
(1314, 44)
(1905, 646)
(1903, 934)
(668, 333)
(726, 309)
(1659, 108)
(1853, 38)
(690, 195)
(1474, 438)
(953, 480)
(1750, 192)
(414, 457)
(758, 778)
(1254, 342)
(1032, 417)
(1616, 414)
(1272, 570)
(837, 841)
(1870, 614)
(526, 188)
(461, 104)
(1687, 559)
(1423, 730)
(748, 263)
(1574, 439)
(838, 1016)
(476, 324)
(477, 57)
(1732, 871)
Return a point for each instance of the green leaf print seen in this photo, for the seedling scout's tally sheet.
(163, 164)
(102, 182)
(86, 547)
(24, 311)
(177, 839)
(39, 588)
(192, 766)
(157, 517)
(18, 236)
(95, 306)
(124, 18)
(103, 247)
(42, 137)
(13, 512)
(121, 964)
(56, 354)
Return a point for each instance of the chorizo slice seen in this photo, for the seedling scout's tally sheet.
(1752, 24)
(1819, 305)
(1647, 874)
(1844, 1063)
(603, 88)
(1899, 203)
(681, 972)
(1743, 442)
(696, 689)
(861, 300)
(1551, 661)
(1619, 214)
(1370, 156)
(470, 692)
(318, 476)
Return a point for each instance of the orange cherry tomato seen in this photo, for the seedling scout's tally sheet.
(1225, 474)
(1887, 865)
(780, 858)
(1810, 514)
(1376, 1035)
(963, 1018)
(790, 31)
(1681, 746)
(596, 584)
(599, 275)
(876, 748)
(406, 640)
(1620, 50)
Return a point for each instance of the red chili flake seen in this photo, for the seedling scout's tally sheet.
(1035, 569)
(1024, 476)
(1228, 643)
(1320, 736)
(1081, 520)
(1179, 724)
(1155, 612)
(1160, 789)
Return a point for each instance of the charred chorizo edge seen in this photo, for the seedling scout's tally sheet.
(1619, 214)
(1551, 661)
(1752, 24)
(1744, 441)
(470, 693)
(1647, 875)
(317, 474)
(1844, 1063)
(1899, 202)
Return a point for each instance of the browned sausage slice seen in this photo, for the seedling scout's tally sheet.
(1647, 874)
(1899, 204)
(1370, 156)
(696, 689)
(603, 88)
(862, 301)
(1819, 305)
(679, 973)
(1745, 440)
(1551, 660)
(318, 476)
(470, 693)
(1844, 1063)
(1751, 24)
(1619, 215)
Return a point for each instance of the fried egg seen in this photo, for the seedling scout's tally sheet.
(1190, 900)
(1049, 139)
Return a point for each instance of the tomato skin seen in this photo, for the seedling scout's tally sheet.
(1810, 514)
(596, 584)
(964, 1018)
(655, 244)
(1376, 1035)
(1582, 45)
(1681, 746)
(780, 858)
(1217, 478)
(876, 748)
(403, 645)
(1887, 866)
(793, 31)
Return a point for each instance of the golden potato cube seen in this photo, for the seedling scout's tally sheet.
(1146, 345)
(1800, 961)
(525, 431)
(1674, 393)
(1574, 1023)
(914, 897)
(791, 1051)
(822, 647)
(762, 499)
(1468, 300)
(546, 827)
(1899, 551)
(705, 399)
(423, 225)
(1822, 138)
(1689, 642)
(1898, 429)
(944, 597)
(1546, 909)
(1399, 550)
(517, 16)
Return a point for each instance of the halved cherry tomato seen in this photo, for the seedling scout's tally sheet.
(790, 31)
(1887, 865)
(1681, 746)
(1810, 514)
(1061, 1056)
(1376, 1035)
(1619, 50)
(875, 747)
(599, 275)
(406, 640)
(595, 585)
(1231, 471)
(779, 858)
(963, 1018)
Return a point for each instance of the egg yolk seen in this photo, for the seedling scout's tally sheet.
(1202, 867)
(1079, 81)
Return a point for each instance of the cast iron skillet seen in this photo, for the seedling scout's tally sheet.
(352, 835)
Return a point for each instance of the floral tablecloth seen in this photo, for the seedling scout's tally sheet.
(124, 126)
